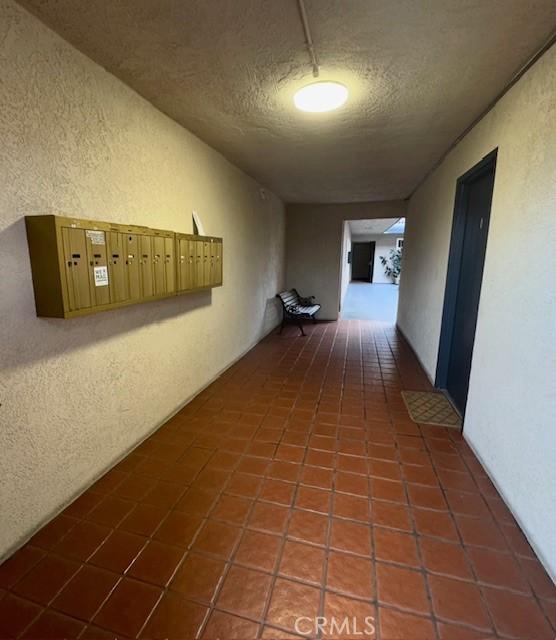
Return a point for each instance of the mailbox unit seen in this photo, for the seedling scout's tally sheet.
(84, 266)
(199, 262)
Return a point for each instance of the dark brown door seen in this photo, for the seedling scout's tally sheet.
(362, 261)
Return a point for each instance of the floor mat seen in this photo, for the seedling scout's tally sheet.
(431, 407)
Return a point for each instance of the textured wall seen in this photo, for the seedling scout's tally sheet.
(512, 395)
(314, 246)
(75, 394)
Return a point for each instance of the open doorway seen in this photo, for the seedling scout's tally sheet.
(370, 270)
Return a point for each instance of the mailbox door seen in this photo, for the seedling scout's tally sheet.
(133, 265)
(97, 256)
(169, 265)
(159, 266)
(116, 267)
(146, 266)
(77, 268)
(217, 279)
(199, 265)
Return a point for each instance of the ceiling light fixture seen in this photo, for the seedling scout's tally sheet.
(320, 96)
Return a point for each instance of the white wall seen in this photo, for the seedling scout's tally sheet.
(76, 394)
(345, 266)
(511, 411)
(384, 243)
(314, 246)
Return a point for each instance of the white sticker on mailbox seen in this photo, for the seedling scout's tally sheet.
(101, 276)
(96, 237)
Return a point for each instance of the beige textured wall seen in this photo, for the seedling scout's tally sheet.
(76, 394)
(314, 246)
(510, 419)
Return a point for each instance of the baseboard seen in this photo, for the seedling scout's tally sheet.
(25, 539)
(490, 475)
(521, 524)
(410, 345)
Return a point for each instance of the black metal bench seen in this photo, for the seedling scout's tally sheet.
(297, 308)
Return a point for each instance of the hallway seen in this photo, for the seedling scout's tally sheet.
(366, 301)
(294, 486)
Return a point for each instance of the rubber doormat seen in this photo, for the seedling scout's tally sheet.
(431, 407)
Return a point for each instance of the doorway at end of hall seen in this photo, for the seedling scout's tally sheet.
(362, 261)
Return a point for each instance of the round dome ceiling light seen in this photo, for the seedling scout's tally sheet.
(321, 96)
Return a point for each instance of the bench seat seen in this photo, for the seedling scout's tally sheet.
(297, 308)
(308, 311)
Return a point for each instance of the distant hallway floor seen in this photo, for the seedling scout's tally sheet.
(366, 301)
(292, 488)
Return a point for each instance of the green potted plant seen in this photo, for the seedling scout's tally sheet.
(393, 264)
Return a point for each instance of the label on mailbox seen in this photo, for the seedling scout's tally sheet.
(101, 276)
(96, 237)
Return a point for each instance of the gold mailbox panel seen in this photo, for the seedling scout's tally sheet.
(84, 266)
(199, 262)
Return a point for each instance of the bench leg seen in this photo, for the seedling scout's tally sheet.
(314, 319)
(300, 323)
(282, 326)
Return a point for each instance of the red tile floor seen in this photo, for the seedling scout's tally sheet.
(294, 487)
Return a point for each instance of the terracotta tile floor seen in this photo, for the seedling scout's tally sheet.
(294, 486)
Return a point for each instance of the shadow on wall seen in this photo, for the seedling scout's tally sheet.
(272, 315)
(30, 339)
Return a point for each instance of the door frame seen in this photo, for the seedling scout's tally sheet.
(487, 164)
(372, 260)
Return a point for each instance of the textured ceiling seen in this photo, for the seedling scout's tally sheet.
(364, 227)
(419, 73)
